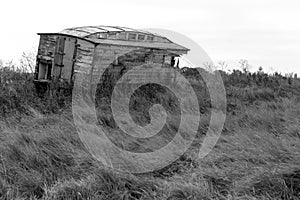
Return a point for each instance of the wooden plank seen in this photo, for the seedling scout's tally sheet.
(84, 57)
(47, 45)
(68, 58)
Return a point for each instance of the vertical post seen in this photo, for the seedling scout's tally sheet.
(90, 89)
(74, 60)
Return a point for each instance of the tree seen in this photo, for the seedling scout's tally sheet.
(27, 61)
(244, 65)
(222, 65)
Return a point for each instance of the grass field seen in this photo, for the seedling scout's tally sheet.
(256, 157)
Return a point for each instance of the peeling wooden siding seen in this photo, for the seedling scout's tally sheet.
(84, 59)
(47, 46)
(105, 55)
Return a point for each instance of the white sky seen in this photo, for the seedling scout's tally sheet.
(266, 33)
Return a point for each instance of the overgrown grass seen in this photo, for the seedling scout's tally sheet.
(257, 156)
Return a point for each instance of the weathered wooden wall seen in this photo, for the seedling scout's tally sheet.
(83, 59)
(46, 49)
(106, 55)
(84, 56)
(92, 60)
(113, 59)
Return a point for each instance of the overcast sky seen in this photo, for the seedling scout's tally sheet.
(266, 33)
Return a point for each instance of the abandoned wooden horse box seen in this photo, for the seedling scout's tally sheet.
(83, 49)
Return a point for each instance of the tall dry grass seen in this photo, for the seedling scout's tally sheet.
(257, 156)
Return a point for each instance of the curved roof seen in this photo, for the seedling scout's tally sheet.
(118, 35)
(86, 31)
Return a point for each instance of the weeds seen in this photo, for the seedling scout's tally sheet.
(257, 156)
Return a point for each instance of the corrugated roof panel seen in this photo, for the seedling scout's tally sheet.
(111, 28)
(75, 33)
(142, 31)
(137, 30)
(91, 29)
(127, 29)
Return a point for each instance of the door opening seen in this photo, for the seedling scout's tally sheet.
(44, 70)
